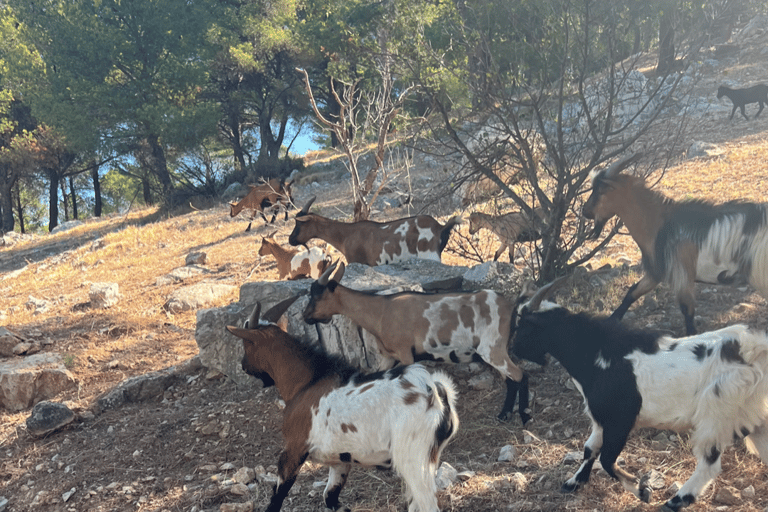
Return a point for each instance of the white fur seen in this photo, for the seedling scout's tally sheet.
(314, 257)
(372, 422)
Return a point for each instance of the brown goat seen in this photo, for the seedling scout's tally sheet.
(510, 228)
(408, 326)
(336, 416)
(293, 263)
(682, 242)
(376, 243)
(271, 194)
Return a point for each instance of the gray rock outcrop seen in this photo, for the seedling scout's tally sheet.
(222, 351)
(196, 296)
(104, 295)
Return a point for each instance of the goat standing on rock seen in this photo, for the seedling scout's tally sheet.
(375, 243)
(337, 416)
(682, 242)
(714, 384)
(408, 326)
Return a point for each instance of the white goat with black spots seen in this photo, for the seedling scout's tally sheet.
(714, 384)
(336, 416)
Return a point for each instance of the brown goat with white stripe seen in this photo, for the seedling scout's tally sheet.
(336, 416)
(293, 263)
(510, 228)
(376, 243)
(409, 326)
(271, 194)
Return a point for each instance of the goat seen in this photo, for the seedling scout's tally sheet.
(714, 384)
(510, 228)
(682, 242)
(376, 243)
(337, 416)
(293, 263)
(409, 326)
(741, 97)
(272, 194)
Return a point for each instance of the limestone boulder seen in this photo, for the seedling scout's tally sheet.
(197, 296)
(8, 341)
(48, 417)
(222, 351)
(26, 381)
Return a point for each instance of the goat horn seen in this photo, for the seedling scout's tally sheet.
(544, 292)
(276, 311)
(305, 209)
(253, 320)
(323, 279)
(619, 165)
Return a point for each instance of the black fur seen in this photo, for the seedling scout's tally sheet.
(741, 97)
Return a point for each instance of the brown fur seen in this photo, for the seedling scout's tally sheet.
(271, 193)
(510, 228)
(282, 256)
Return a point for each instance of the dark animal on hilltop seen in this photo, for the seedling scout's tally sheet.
(376, 243)
(714, 384)
(273, 194)
(510, 228)
(741, 97)
(408, 326)
(683, 242)
(336, 416)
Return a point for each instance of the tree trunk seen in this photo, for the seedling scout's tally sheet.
(160, 165)
(146, 191)
(19, 208)
(53, 198)
(6, 203)
(73, 196)
(65, 202)
(97, 204)
(666, 41)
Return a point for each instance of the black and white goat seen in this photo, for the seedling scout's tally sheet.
(714, 384)
(376, 243)
(412, 326)
(741, 97)
(336, 416)
(682, 242)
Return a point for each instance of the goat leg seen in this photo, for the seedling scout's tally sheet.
(337, 477)
(287, 469)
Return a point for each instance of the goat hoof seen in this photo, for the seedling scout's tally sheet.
(525, 417)
(569, 487)
(505, 416)
(645, 494)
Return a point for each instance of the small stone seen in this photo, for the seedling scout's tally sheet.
(676, 486)
(244, 475)
(572, 457)
(446, 476)
(727, 496)
(237, 507)
(465, 475)
(507, 453)
(65, 497)
(196, 258)
(227, 466)
(239, 489)
(748, 492)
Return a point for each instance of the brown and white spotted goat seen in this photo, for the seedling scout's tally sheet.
(336, 416)
(376, 243)
(293, 263)
(510, 228)
(272, 194)
(409, 326)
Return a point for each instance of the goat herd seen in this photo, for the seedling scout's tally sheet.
(714, 384)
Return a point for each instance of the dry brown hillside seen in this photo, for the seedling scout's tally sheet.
(171, 453)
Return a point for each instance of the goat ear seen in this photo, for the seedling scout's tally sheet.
(276, 311)
(323, 279)
(339, 272)
(306, 207)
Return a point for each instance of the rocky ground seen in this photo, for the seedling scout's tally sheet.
(185, 448)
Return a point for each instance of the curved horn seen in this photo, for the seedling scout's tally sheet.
(544, 292)
(305, 209)
(253, 320)
(323, 279)
(619, 165)
(276, 311)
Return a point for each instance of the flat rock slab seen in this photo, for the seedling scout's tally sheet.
(47, 417)
(197, 296)
(29, 380)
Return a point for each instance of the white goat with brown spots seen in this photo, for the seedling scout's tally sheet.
(409, 326)
(336, 416)
(293, 263)
(510, 228)
(376, 243)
